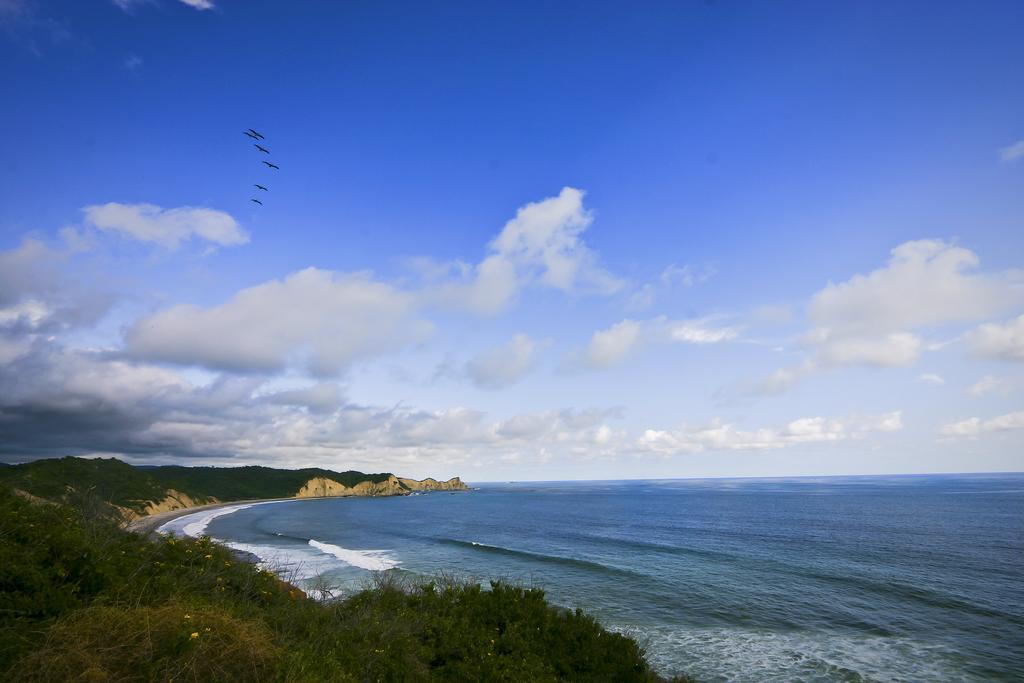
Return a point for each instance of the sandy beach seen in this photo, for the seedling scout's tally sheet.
(150, 523)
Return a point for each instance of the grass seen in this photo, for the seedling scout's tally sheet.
(82, 599)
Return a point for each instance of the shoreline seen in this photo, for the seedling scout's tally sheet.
(148, 524)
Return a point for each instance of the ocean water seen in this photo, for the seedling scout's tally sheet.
(911, 578)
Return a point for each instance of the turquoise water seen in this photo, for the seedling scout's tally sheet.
(844, 579)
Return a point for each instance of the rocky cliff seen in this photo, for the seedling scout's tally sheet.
(429, 484)
(319, 487)
(175, 500)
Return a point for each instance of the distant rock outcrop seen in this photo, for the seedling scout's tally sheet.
(429, 484)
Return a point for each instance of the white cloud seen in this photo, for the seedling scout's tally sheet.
(313, 318)
(543, 245)
(610, 346)
(890, 350)
(698, 332)
(199, 4)
(504, 365)
(931, 378)
(545, 236)
(987, 385)
(166, 227)
(875, 319)
(720, 436)
(975, 426)
(1012, 152)
(926, 283)
(1005, 342)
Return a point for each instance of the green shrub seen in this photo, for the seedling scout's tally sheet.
(151, 644)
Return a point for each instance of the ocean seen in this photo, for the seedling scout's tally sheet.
(905, 578)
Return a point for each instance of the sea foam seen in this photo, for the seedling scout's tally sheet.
(372, 560)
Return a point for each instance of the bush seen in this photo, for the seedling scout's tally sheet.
(152, 644)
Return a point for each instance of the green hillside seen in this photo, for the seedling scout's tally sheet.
(108, 479)
(116, 482)
(82, 599)
(241, 483)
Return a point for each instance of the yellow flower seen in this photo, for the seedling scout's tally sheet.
(195, 634)
(188, 616)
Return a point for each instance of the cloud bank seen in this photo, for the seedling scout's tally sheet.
(975, 426)
(724, 436)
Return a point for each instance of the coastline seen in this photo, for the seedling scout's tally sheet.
(148, 524)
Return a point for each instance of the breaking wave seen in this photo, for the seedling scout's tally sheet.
(371, 560)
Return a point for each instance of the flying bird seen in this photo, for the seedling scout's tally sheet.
(272, 165)
(261, 187)
(262, 149)
(257, 134)
(257, 201)
(250, 135)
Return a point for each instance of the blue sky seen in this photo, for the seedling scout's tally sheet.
(520, 241)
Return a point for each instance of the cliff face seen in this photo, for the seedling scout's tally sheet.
(429, 484)
(319, 487)
(175, 500)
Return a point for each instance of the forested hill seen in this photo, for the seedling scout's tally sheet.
(149, 489)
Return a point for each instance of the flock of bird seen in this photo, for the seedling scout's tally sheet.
(258, 137)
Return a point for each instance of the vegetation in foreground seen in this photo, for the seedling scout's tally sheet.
(81, 599)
